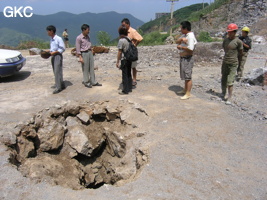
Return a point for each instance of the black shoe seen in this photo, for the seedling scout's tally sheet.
(56, 91)
(63, 87)
(123, 93)
(88, 85)
(97, 84)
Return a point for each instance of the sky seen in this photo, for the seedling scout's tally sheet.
(142, 9)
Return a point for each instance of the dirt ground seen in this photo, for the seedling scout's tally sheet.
(199, 148)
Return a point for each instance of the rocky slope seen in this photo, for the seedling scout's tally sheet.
(242, 12)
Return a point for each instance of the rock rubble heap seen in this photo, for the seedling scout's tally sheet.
(81, 145)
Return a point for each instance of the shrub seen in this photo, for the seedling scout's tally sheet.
(33, 44)
(154, 38)
(204, 37)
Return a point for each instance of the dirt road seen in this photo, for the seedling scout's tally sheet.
(199, 148)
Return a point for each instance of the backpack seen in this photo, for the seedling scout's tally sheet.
(132, 53)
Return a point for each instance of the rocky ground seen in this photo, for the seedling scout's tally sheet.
(194, 149)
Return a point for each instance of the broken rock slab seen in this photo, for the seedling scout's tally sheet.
(84, 117)
(116, 145)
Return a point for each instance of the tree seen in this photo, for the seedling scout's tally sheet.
(103, 38)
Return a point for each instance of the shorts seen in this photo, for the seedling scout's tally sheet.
(229, 72)
(186, 67)
(134, 64)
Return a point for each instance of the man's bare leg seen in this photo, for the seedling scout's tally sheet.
(188, 88)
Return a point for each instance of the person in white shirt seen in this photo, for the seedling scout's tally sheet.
(186, 45)
(57, 47)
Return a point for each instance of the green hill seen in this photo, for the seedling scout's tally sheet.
(163, 23)
(14, 30)
(11, 37)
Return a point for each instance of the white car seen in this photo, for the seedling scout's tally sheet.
(10, 62)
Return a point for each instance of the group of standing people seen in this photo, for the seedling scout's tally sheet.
(127, 34)
(84, 52)
(236, 51)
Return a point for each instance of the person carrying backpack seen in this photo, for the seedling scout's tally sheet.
(125, 65)
(136, 39)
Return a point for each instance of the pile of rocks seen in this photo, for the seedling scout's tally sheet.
(81, 145)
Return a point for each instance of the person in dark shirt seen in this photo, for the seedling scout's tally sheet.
(233, 49)
(246, 47)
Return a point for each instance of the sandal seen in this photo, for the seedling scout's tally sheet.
(134, 83)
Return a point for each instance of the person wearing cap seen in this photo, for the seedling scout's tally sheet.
(246, 47)
(233, 48)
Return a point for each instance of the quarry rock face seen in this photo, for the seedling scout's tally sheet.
(81, 145)
(241, 12)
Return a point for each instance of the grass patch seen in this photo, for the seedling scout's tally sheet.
(154, 38)
(195, 16)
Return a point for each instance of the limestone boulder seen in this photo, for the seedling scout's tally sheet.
(78, 140)
(72, 121)
(83, 140)
(256, 76)
(51, 135)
